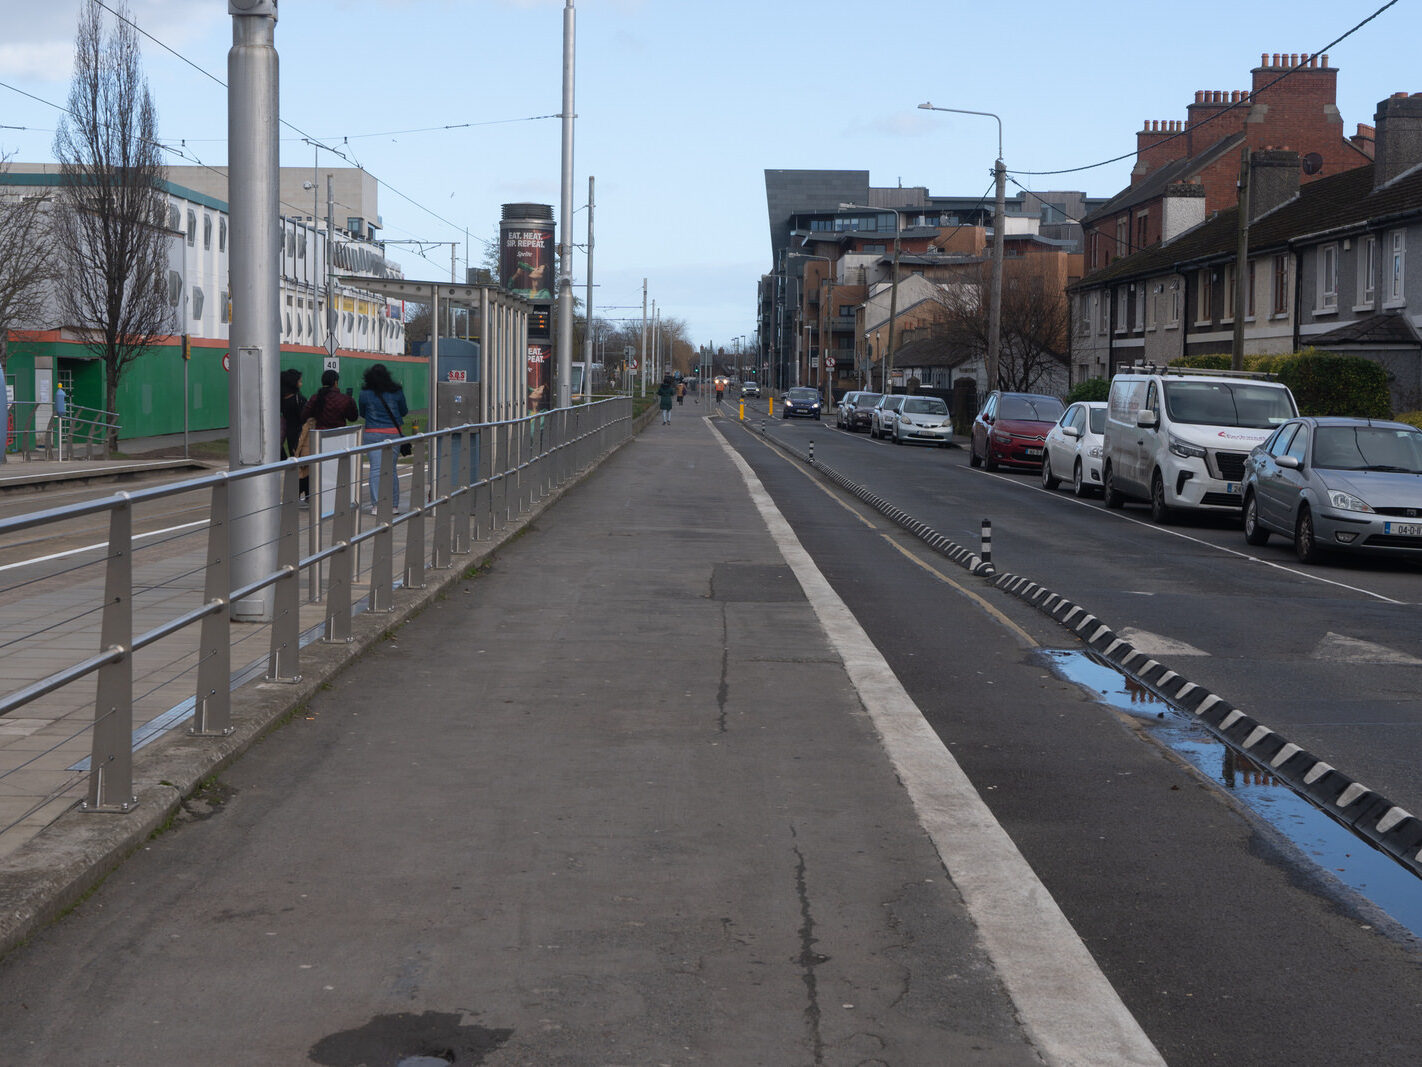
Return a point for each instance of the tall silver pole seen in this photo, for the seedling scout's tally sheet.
(643, 352)
(588, 307)
(331, 320)
(255, 336)
(565, 223)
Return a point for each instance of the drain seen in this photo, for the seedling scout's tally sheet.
(1349, 858)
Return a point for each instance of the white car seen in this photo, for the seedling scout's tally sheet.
(923, 418)
(1073, 448)
(881, 418)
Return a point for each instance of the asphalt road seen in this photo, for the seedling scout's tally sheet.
(1225, 942)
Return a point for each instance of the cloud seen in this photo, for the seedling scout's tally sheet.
(905, 124)
(47, 61)
(41, 45)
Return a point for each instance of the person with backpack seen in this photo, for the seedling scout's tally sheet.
(382, 406)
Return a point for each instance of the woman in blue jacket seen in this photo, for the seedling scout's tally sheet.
(382, 406)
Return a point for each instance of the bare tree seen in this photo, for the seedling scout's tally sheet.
(26, 266)
(110, 212)
(1032, 329)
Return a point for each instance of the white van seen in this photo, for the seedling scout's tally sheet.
(1177, 437)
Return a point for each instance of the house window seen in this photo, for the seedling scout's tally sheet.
(222, 235)
(1123, 234)
(1175, 302)
(1140, 306)
(1103, 307)
(846, 311)
(1395, 273)
(1281, 286)
(1152, 310)
(1141, 229)
(175, 288)
(1203, 310)
(1121, 309)
(227, 306)
(207, 233)
(1367, 270)
(1249, 301)
(192, 227)
(197, 303)
(1327, 279)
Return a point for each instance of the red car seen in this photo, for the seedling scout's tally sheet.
(1011, 430)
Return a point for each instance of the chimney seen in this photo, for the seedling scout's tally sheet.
(1158, 142)
(1182, 207)
(1399, 137)
(1208, 104)
(1273, 180)
(1365, 140)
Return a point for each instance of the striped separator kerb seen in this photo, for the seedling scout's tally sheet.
(1373, 817)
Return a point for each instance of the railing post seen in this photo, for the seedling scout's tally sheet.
(284, 660)
(484, 494)
(414, 573)
(464, 509)
(212, 707)
(338, 592)
(111, 759)
(382, 563)
(447, 448)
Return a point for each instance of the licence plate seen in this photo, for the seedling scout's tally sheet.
(1402, 529)
(1232, 487)
(1032, 451)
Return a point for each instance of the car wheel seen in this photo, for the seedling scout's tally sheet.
(1109, 496)
(1078, 480)
(1159, 510)
(1305, 544)
(974, 460)
(1049, 481)
(989, 461)
(1253, 532)
(898, 440)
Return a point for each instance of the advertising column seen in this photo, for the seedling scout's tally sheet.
(527, 268)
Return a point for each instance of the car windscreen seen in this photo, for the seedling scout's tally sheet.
(1030, 408)
(1096, 419)
(925, 405)
(1251, 404)
(1368, 448)
(866, 400)
(804, 394)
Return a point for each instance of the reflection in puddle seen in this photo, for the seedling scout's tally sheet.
(1350, 859)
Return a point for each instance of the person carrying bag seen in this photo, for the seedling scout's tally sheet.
(382, 406)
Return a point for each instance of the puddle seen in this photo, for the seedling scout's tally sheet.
(1350, 859)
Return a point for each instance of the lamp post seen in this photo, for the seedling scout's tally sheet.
(893, 293)
(999, 172)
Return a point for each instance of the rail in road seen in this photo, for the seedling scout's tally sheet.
(1368, 812)
(127, 633)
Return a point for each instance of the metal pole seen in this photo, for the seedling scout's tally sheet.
(255, 337)
(588, 306)
(643, 352)
(995, 307)
(893, 309)
(1241, 264)
(331, 320)
(565, 228)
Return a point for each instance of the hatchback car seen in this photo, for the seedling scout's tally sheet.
(1011, 429)
(1073, 448)
(856, 410)
(750, 389)
(802, 402)
(923, 418)
(883, 413)
(1337, 484)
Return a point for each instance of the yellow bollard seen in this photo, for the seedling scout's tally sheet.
(742, 413)
(772, 407)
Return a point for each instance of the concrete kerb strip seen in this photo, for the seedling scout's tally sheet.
(48, 875)
(1071, 1013)
(1391, 829)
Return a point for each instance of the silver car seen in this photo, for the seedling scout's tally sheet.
(1337, 484)
(923, 418)
(882, 415)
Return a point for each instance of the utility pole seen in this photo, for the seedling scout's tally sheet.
(643, 352)
(254, 398)
(999, 172)
(565, 228)
(1241, 264)
(588, 307)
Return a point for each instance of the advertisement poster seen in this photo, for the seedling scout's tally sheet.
(526, 262)
(539, 376)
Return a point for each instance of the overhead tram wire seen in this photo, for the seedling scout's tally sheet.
(1220, 114)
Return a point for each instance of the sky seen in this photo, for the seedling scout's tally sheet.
(683, 104)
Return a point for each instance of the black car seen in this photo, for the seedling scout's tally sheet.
(856, 410)
(801, 401)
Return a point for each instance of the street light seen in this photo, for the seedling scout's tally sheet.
(995, 306)
(893, 294)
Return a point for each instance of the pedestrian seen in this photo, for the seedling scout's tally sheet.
(664, 398)
(720, 389)
(330, 407)
(382, 406)
(292, 404)
(61, 409)
(680, 392)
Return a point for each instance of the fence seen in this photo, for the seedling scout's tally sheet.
(138, 627)
(34, 428)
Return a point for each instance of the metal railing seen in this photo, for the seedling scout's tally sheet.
(144, 617)
(34, 429)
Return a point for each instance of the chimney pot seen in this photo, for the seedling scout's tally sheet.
(1325, 60)
(1263, 59)
(1199, 96)
(1277, 62)
(1294, 60)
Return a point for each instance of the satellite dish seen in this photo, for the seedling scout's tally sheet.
(1312, 163)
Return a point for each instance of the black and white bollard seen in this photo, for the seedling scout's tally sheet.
(987, 543)
(812, 450)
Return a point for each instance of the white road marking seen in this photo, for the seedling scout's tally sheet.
(1156, 645)
(1070, 1011)
(101, 544)
(1339, 649)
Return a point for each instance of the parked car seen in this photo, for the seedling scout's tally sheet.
(923, 418)
(1337, 484)
(750, 389)
(1178, 438)
(1073, 448)
(882, 414)
(1012, 429)
(801, 401)
(856, 410)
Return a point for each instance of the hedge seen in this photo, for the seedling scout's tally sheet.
(1090, 389)
(1323, 383)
